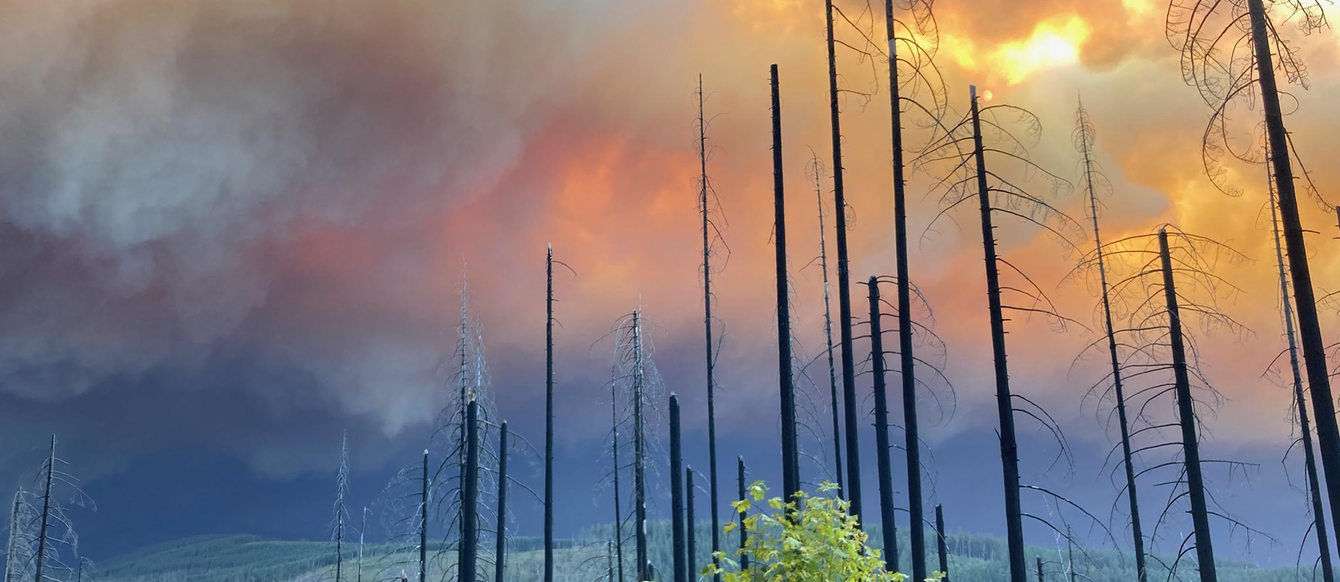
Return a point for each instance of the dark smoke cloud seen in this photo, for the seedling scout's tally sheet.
(196, 187)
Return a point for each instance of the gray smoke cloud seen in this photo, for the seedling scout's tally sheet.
(239, 188)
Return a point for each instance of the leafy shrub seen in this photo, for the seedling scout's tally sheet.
(807, 539)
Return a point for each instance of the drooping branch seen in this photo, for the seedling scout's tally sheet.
(1232, 51)
(965, 147)
(1084, 138)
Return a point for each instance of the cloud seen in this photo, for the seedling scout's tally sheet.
(285, 195)
(184, 179)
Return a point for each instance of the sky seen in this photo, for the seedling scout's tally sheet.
(233, 230)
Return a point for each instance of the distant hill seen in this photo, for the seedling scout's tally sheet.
(220, 557)
(246, 558)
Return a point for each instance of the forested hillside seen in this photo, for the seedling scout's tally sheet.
(245, 558)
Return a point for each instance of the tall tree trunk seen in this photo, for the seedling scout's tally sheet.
(1070, 554)
(790, 456)
(639, 454)
(500, 546)
(677, 495)
(11, 548)
(833, 399)
(46, 512)
(707, 327)
(341, 490)
(886, 502)
(691, 526)
(361, 529)
(853, 484)
(1200, 515)
(549, 416)
(940, 542)
(463, 398)
(469, 548)
(1309, 329)
(423, 522)
(907, 360)
(1009, 448)
(744, 534)
(1137, 535)
(614, 452)
(1304, 427)
(1040, 579)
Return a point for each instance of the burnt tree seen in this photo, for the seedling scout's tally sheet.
(786, 385)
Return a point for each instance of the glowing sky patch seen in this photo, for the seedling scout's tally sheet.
(1055, 42)
(1052, 44)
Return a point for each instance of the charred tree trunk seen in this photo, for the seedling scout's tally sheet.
(886, 503)
(1309, 329)
(707, 327)
(853, 484)
(1304, 426)
(469, 549)
(1009, 448)
(676, 495)
(940, 542)
(10, 558)
(744, 534)
(548, 416)
(692, 535)
(790, 456)
(423, 521)
(500, 546)
(41, 557)
(1137, 535)
(1186, 413)
(906, 360)
(833, 399)
(341, 489)
(1070, 554)
(639, 456)
(361, 530)
(618, 512)
(463, 396)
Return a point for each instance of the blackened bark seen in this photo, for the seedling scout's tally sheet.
(744, 534)
(707, 327)
(500, 544)
(940, 542)
(548, 416)
(1309, 329)
(469, 548)
(1009, 448)
(1200, 515)
(852, 488)
(1304, 426)
(790, 455)
(1137, 535)
(677, 495)
(885, 465)
(907, 360)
